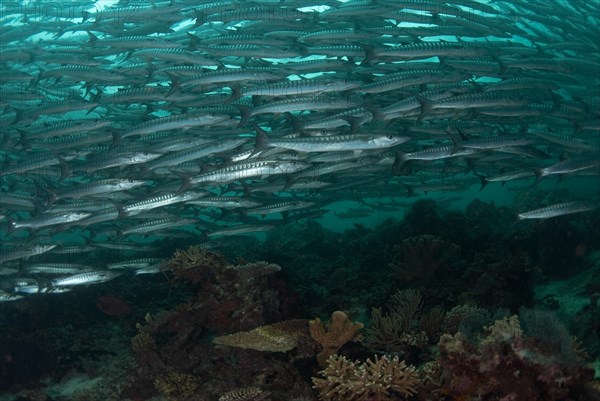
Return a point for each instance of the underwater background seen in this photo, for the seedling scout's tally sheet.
(300, 200)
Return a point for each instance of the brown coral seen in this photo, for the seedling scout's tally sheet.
(394, 331)
(381, 379)
(419, 257)
(277, 337)
(334, 335)
(142, 342)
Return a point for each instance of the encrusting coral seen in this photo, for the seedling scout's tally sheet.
(334, 335)
(381, 379)
(243, 394)
(177, 386)
(277, 337)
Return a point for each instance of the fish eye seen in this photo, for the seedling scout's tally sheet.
(390, 136)
(146, 154)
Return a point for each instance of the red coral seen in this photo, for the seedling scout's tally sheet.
(506, 365)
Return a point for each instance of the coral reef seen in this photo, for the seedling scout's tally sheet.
(334, 335)
(240, 299)
(380, 379)
(507, 365)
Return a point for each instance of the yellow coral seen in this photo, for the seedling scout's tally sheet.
(277, 337)
(241, 394)
(381, 379)
(177, 386)
(194, 257)
(142, 342)
(333, 336)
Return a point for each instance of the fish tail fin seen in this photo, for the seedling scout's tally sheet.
(93, 38)
(245, 113)
(409, 190)
(195, 42)
(11, 225)
(200, 19)
(186, 181)
(369, 54)
(262, 140)
(293, 121)
(426, 107)
(23, 140)
(399, 161)
(175, 85)
(236, 93)
(484, 181)
(117, 137)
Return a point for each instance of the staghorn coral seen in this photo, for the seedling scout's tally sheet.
(277, 337)
(177, 386)
(243, 394)
(334, 335)
(419, 257)
(381, 379)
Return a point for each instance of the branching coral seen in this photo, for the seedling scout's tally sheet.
(404, 326)
(333, 336)
(419, 257)
(381, 379)
(277, 337)
(185, 263)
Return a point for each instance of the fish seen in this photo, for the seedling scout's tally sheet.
(86, 278)
(127, 124)
(559, 209)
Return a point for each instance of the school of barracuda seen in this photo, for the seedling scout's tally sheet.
(129, 122)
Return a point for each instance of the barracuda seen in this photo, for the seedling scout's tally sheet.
(49, 219)
(330, 143)
(179, 122)
(559, 209)
(160, 201)
(93, 277)
(262, 168)
(99, 187)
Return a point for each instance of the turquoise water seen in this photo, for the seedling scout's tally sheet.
(427, 170)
